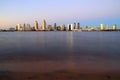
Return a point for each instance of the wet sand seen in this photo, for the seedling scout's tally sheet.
(58, 70)
(60, 75)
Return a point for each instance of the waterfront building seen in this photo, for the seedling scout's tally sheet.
(107, 27)
(43, 25)
(55, 26)
(49, 27)
(62, 27)
(36, 25)
(78, 26)
(24, 27)
(12, 29)
(58, 28)
(101, 27)
(74, 26)
(114, 27)
(19, 27)
(69, 27)
(28, 27)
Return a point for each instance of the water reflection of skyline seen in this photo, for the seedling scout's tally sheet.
(70, 60)
(61, 42)
(70, 40)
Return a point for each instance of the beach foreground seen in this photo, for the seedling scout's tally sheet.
(50, 70)
(60, 75)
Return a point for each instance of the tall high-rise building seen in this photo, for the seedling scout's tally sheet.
(114, 27)
(62, 27)
(101, 27)
(24, 27)
(28, 27)
(55, 26)
(19, 27)
(74, 26)
(44, 25)
(69, 27)
(36, 25)
(107, 27)
(78, 25)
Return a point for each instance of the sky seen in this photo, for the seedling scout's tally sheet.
(87, 12)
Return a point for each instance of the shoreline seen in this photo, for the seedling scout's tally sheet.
(32, 69)
(66, 31)
(60, 75)
(82, 65)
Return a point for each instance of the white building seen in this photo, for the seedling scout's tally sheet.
(36, 25)
(43, 25)
(101, 27)
(72, 26)
(19, 27)
(114, 27)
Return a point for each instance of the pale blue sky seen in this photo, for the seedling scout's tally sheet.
(87, 12)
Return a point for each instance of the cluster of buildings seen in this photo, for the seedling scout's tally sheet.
(44, 27)
(27, 27)
(107, 28)
(69, 27)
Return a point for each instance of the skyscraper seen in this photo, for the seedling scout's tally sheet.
(107, 27)
(28, 27)
(69, 27)
(55, 26)
(36, 25)
(62, 27)
(114, 27)
(78, 25)
(24, 27)
(74, 26)
(101, 27)
(19, 27)
(44, 25)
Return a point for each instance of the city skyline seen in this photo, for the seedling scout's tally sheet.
(88, 13)
(76, 26)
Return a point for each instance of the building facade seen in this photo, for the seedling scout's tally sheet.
(101, 27)
(36, 26)
(43, 25)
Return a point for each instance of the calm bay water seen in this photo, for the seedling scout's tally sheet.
(60, 43)
(78, 47)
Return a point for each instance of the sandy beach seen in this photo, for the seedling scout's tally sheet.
(56, 70)
(60, 75)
